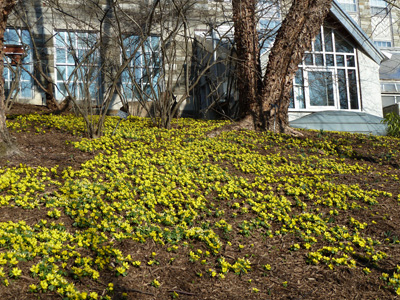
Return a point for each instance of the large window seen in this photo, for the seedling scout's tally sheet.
(269, 23)
(77, 65)
(141, 79)
(349, 5)
(379, 7)
(327, 78)
(13, 72)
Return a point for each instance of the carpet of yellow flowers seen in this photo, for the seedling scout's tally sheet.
(150, 213)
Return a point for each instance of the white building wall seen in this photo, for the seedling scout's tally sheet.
(369, 85)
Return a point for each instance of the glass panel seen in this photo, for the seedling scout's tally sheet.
(318, 43)
(319, 59)
(328, 39)
(61, 76)
(60, 39)
(308, 59)
(11, 37)
(342, 45)
(26, 89)
(389, 87)
(61, 56)
(291, 103)
(340, 60)
(299, 94)
(353, 89)
(321, 88)
(350, 61)
(25, 75)
(330, 60)
(342, 89)
(388, 100)
(70, 58)
(298, 79)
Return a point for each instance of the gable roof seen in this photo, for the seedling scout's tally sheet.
(356, 32)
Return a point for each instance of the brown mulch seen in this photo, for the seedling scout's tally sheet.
(304, 281)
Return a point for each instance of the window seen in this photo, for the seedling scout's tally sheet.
(348, 5)
(379, 7)
(141, 80)
(327, 78)
(383, 44)
(14, 36)
(269, 23)
(77, 65)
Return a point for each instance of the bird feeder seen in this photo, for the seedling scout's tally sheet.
(15, 53)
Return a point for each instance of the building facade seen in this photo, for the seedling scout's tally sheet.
(127, 52)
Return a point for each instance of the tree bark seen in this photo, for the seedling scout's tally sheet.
(300, 26)
(247, 49)
(7, 146)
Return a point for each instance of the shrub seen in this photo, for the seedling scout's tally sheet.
(392, 120)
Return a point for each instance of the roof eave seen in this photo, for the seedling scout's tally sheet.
(358, 34)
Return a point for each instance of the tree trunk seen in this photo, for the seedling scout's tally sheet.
(247, 48)
(268, 107)
(7, 146)
(301, 25)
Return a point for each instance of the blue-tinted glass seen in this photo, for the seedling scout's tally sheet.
(350, 61)
(70, 73)
(342, 89)
(330, 60)
(11, 36)
(353, 89)
(61, 56)
(321, 88)
(318, 43)
(328, 39)
(70, 58)
(60, 40)
(340, 60)
(61, 76)
(25, 75)
(308, 59)
(342, 45)
(319, 59)
(26, 89)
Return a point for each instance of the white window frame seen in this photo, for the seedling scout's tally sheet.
(306, 68)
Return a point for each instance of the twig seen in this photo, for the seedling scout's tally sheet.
(181, 292)
(137, 291)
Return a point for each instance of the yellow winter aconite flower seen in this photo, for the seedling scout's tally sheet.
(174, 188)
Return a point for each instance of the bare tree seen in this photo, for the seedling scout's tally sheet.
(265, 100)
(6, 144)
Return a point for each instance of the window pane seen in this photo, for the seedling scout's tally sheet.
(340, 60)
(61, 76)
(26, 89)
(350, 61)
(11, 37)
(298, 79)
(330, 60)
(308, 60)
(318, 43)
(319, 59)
(328, 39)
(321, 88)
(353, 89)
(344, 104)
(342, 45)
(388, 100)
(61, 56)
